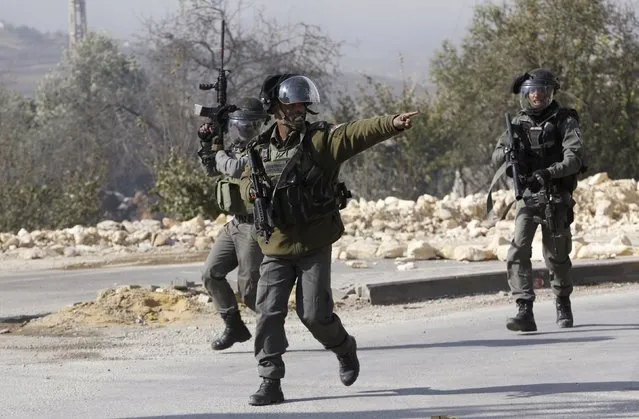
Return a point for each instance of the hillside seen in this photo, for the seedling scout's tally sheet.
(26, 55)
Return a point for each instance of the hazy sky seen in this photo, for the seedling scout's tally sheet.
(376, 31)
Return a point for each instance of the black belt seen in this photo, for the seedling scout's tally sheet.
(244, 218)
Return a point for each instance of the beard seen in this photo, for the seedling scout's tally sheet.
(295, 122)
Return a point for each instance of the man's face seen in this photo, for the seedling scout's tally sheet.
(244, 129)
(293, 114)
(538, 96)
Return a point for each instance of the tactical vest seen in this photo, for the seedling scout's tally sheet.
(302, 190)
(542, 144)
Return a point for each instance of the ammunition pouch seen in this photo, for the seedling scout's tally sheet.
(229, 199)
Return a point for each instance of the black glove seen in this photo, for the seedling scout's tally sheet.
(207, 131)
(538, 180)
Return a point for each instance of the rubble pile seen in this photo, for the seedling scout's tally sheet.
(606, 221)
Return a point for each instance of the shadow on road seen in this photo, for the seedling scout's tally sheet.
(581, 409)
(515, 341)
(21, 319)
(595, 327)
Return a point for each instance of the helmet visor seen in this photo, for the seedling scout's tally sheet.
(536, 97)
(244, 130)
(298, 89)
(246, 114)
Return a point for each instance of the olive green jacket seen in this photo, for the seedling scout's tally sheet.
(329, 152)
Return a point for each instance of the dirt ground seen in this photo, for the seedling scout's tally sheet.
(146, 308)
(143, 308)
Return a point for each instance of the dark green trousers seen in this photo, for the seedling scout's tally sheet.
(314, 306)
(235, 247)
(519, 266)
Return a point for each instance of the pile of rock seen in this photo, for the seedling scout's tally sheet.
(607, 219)
(607, 215)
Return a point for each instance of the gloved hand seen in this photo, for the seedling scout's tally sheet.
(207, 132)
(538, 180)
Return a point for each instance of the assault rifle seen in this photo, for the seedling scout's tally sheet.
(218, 115)
(547, 198)
(261, 188)
(513, 165)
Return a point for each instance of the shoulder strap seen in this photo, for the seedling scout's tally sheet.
(565, 113)
(265, 137)
(317, 126)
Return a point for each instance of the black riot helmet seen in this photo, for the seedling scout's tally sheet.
(536, 90)
(288, 89)
(247, 121)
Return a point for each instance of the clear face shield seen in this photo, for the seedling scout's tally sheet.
(298, 89)
(244, 127)
(294, 95)
(535, 98)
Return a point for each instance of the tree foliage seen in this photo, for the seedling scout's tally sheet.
(106, 120)
(73, 140)
(591, 45)
(183, 189)
(184, 50)
(92, 115)
(405, 166)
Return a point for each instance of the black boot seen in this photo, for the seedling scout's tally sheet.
(269, 392)
(235, 331)
(349, 364)
(524, 321)
(564, 312)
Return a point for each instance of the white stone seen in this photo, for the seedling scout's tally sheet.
(406, 266)
(621, 240)
(357, 264)
(420, 250)
(390, 249)
(472, 253)
(362, 249)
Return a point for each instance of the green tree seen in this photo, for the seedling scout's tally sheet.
(92, 116)
(183, 50)
(16, 118)
(407, 165)
(591, 45)
(183, 189)
(79, 136)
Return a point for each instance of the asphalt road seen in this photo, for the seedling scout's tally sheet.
(464, 364)
(46, 291)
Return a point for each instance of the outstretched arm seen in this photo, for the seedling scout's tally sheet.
(347, 140)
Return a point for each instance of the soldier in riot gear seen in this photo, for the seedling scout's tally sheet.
(302, 161)
(550, 159)
(235, 247)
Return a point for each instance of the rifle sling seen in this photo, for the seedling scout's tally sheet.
(489, 200)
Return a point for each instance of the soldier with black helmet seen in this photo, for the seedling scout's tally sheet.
(551, 157)
(235, 247)
(302, 162)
